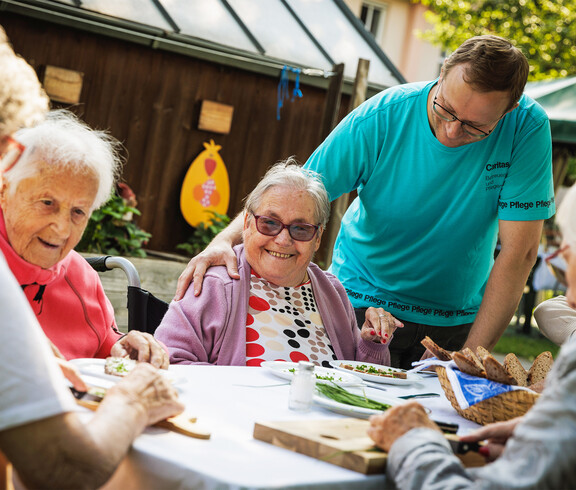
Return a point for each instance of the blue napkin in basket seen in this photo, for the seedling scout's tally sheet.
(467, 389)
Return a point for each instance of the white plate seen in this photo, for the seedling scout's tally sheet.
(95, 368)
(410, 377)
(283, 370)
(351, 410)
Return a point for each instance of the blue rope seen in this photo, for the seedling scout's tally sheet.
(283, 92)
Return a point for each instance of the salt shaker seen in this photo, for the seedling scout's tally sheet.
(302, 387)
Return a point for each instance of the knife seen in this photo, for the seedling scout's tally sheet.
(183, 424)
(461, 447)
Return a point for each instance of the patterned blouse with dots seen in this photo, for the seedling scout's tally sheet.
(283, 324)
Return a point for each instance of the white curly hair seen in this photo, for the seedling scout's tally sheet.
(23, 102)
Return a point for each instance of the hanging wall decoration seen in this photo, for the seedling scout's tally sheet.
(206, 187)
(283, 90)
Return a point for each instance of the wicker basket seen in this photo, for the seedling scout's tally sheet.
(501, 407)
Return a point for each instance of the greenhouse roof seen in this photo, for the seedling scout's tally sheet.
(310, 35)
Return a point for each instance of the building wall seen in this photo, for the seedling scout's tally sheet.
(150, 100)
(417, 60)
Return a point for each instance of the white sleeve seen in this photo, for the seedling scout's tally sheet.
(32, 386)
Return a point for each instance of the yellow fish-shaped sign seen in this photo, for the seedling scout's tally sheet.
(206, 186)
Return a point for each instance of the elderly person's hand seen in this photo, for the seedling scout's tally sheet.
(214, 254)
(495, 436)
(151, 393)
(396, 421)
(379, 325)
(142, 347)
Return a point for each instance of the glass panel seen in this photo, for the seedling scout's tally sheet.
(209, 20)
(279, 33)
(341, 39)
(142, 11)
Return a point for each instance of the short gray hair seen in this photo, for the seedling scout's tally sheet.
(65, 142)
(289, 173)
(22, 99)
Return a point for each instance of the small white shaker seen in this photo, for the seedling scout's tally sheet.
(302, 387)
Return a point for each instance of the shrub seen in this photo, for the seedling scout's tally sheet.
(111, 231)
(204, 233)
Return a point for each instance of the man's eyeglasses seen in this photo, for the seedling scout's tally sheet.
(301, 232)
(557, 268)
(12, 151)
(447, 116)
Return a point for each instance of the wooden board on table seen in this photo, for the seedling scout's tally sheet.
(342, 442)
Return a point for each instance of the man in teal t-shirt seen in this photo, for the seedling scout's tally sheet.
(442, 169)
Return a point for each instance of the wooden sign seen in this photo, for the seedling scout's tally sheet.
(63, 85)
(215, 117)
(206, 187)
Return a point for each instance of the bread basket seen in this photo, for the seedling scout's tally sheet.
(501, 407)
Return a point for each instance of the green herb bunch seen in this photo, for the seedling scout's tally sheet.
(204, 233)
(111, 231)
(341, 395)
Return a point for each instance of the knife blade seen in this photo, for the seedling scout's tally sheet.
(183, 423)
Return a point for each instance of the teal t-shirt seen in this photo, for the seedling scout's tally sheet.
(419, 239)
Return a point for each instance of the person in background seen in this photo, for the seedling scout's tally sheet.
(442, 169)
(536, 451)
(283, 307)
(66, 170)
(40, 434)
(556, 317)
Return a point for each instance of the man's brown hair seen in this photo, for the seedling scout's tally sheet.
(492, 64)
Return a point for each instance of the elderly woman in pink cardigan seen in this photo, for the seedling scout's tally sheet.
(283, 307)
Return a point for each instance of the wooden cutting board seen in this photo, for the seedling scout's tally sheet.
(342, 442)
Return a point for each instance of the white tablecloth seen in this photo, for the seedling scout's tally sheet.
(228, 401)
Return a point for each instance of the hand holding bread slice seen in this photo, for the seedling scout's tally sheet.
(482, 364)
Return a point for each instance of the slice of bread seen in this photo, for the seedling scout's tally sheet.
(467, 365)
(515, 369)
(469, 353)
(482, 351)
(496, 372)
(439, 352)
(540, 368)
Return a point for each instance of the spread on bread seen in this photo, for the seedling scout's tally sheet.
(119, 366)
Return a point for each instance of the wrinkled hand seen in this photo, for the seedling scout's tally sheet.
(142, 347)
(145, 386)
(396, 421)
(495, 436)
(379, 326)
(69, 371)
(217, 254)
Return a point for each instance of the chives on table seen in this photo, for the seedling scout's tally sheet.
(339, 394)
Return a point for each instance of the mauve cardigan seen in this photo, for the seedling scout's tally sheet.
(211, 328)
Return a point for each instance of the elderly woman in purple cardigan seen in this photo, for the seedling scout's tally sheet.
(283, 306)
